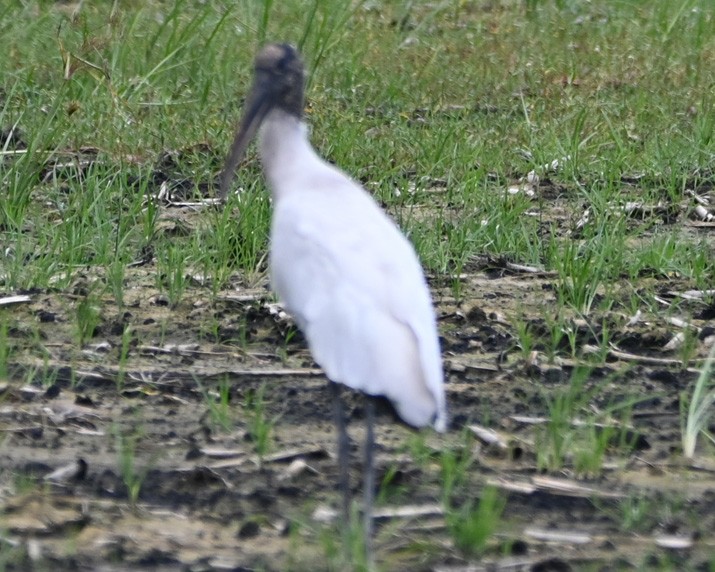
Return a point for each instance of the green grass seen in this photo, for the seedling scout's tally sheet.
(577, 438)
(259, 424)
(473, 524)
(218, 402)
(134, 85)
(132, 475)
(456, 466)
(4, 346)
(437, 108)
(87, 316)
(699, 408)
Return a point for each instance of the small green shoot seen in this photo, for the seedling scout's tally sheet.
(25, 483)
(576, 436)
(127, 336)
(524, 337)
(556, 327)
(390, 490)
(589, 448)
(581, 273)
(218, 403)
(346, 551)
(420, 452)
(260, 427)
(555, 441)
(220, 408)
(115, 281)
(472, 525)
(132, 477)
(636, 512)
(87, 318)
(172, 273)
(455, 465)
(4, 346)
(700, 407)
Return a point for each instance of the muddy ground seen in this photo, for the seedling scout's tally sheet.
(157, 435)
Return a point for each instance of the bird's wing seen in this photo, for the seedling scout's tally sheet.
(355, 286)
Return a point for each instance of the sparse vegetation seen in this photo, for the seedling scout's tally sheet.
(553, 163)
(473, 524)
(88, 317)
(132, 475)
(455, 470)
(218, 401)
(260, 425)
(700, 407)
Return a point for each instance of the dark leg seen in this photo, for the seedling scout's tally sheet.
(369, 478)
(343, 453)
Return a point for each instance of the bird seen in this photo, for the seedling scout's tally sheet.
(342, 268)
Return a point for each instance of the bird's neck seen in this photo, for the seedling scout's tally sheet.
(285, 150)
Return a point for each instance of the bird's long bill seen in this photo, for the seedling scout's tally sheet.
(258, 106)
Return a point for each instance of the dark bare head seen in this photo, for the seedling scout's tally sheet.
(278, 83)
(280, 78)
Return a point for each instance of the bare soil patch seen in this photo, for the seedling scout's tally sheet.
(143, 416)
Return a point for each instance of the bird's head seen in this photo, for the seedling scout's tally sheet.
(279, 78)
(278, 82)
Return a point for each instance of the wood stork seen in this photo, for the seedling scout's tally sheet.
(341, 267)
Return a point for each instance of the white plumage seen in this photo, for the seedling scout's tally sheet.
(341, 267)
(350, 278)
